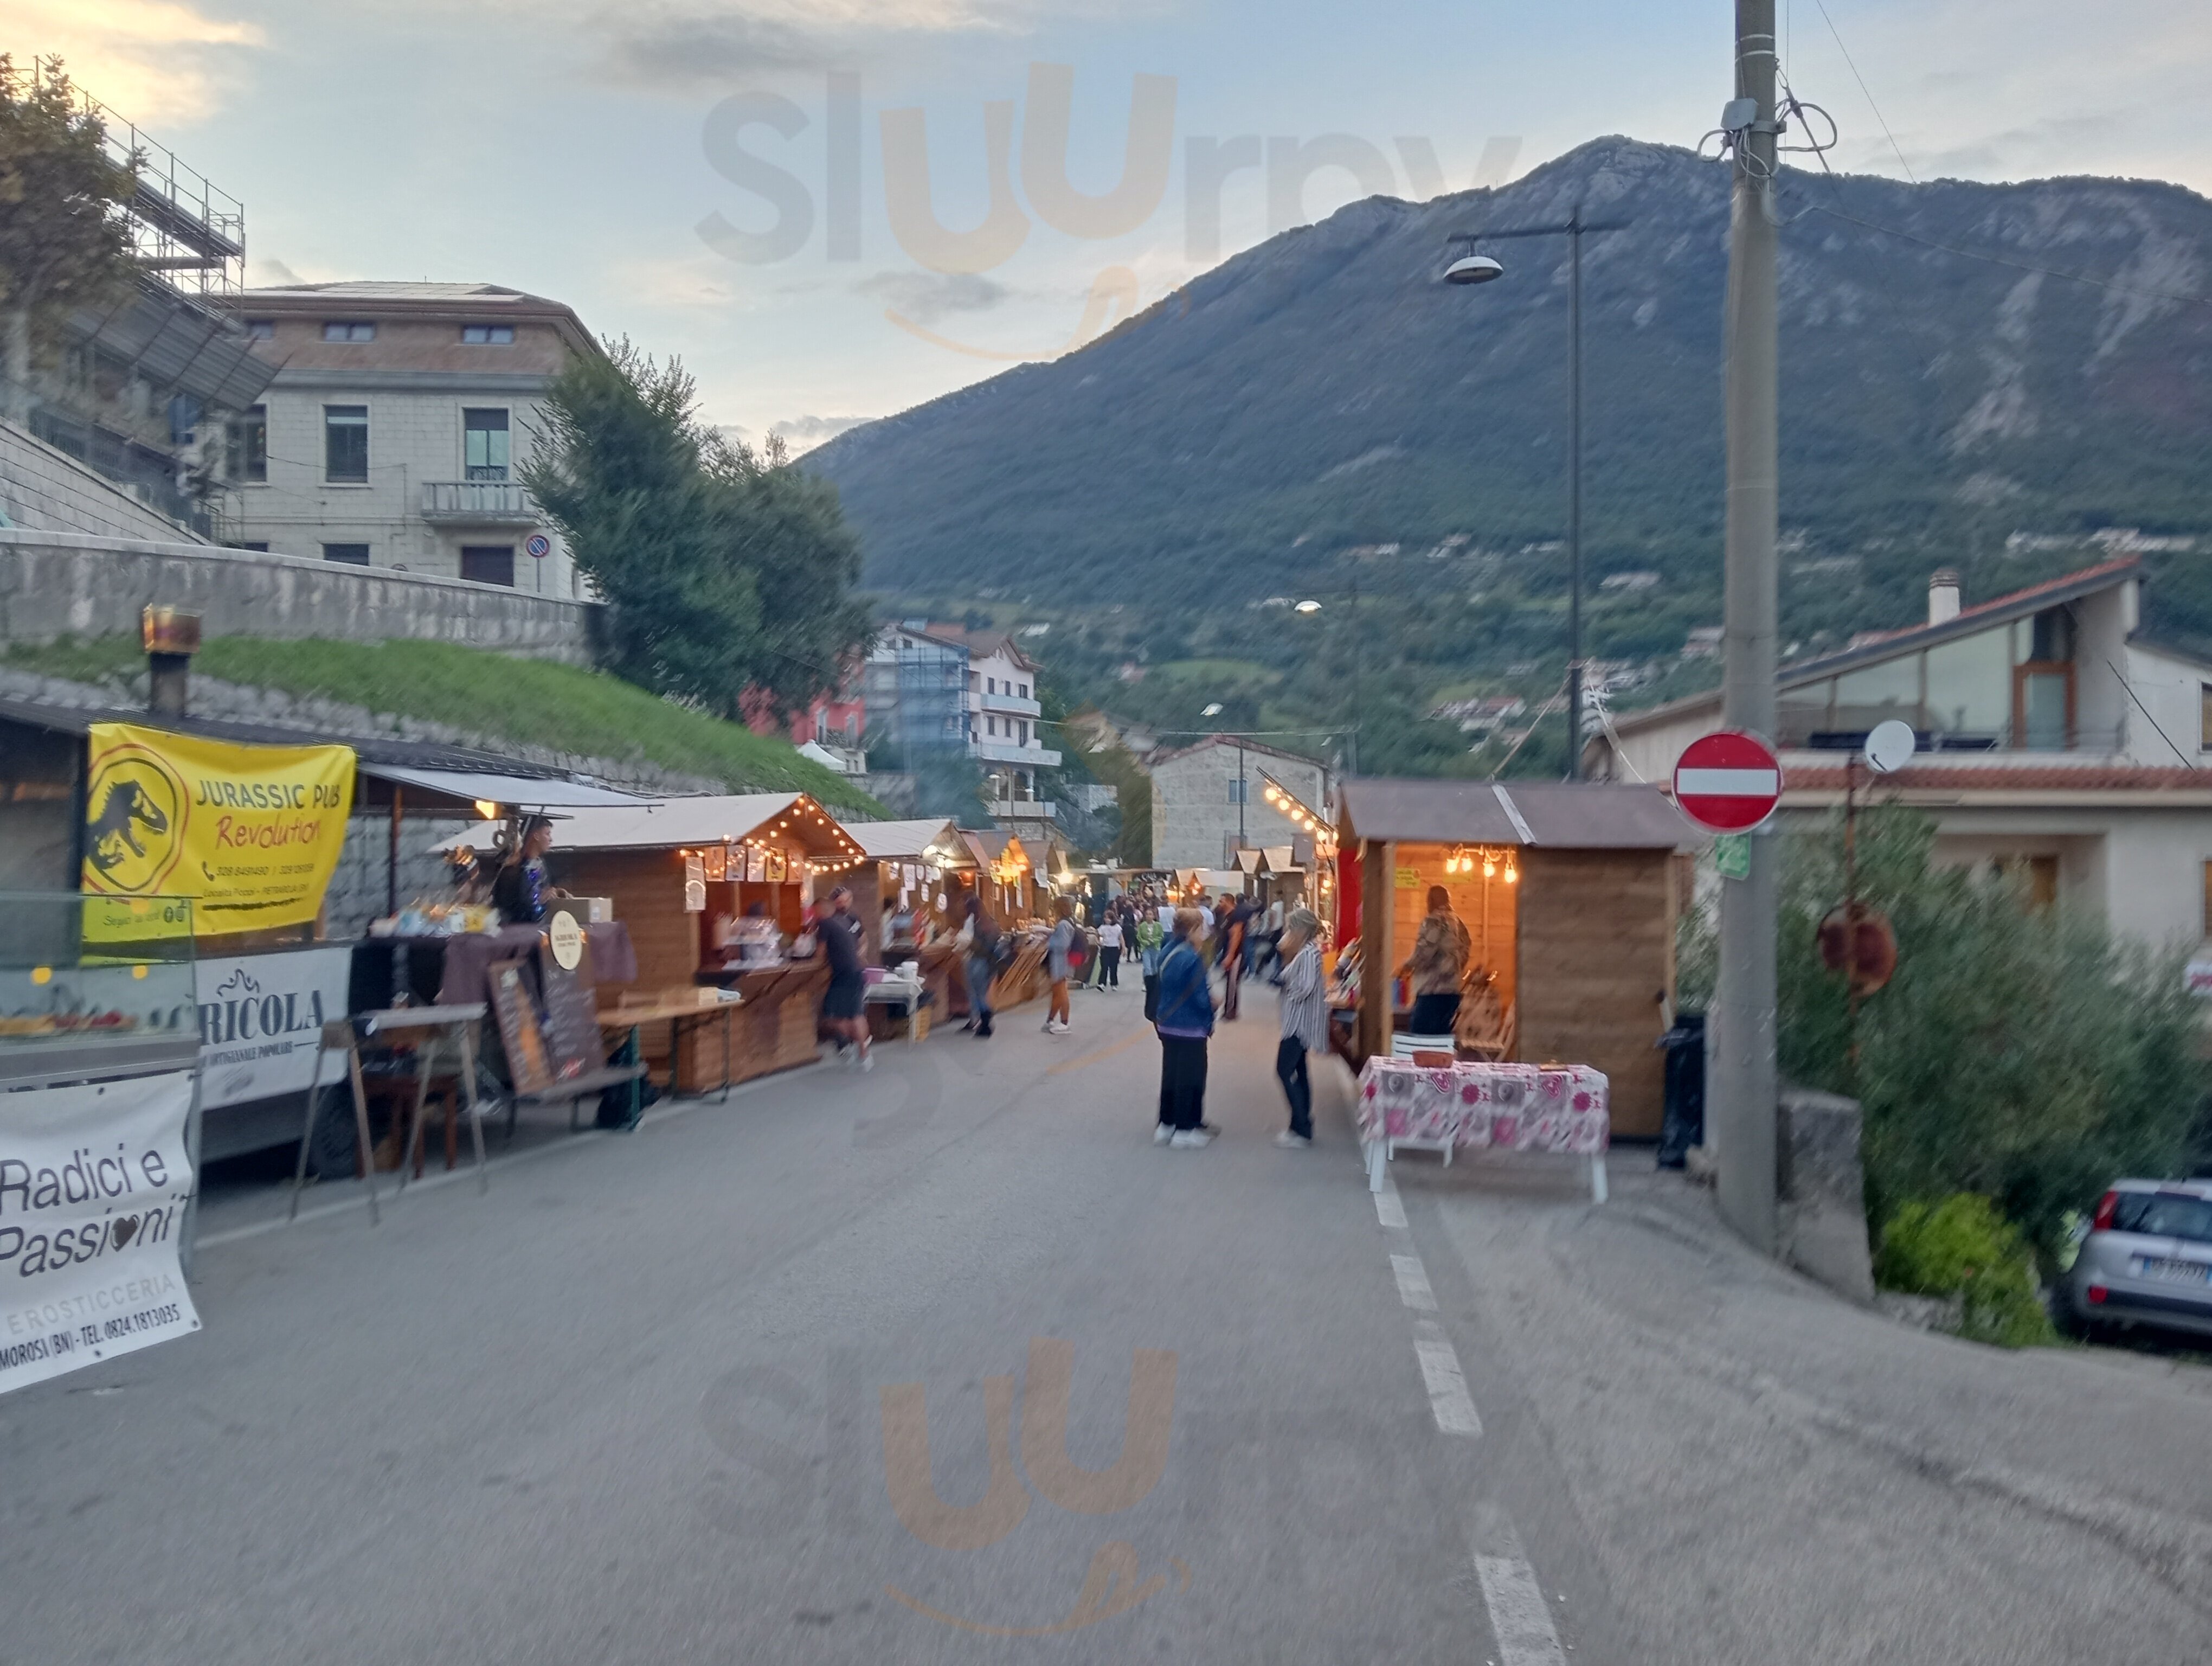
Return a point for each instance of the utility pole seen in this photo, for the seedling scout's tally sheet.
(1574, 494)
(1743, 1070)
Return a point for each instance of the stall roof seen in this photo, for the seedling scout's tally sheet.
(1557, 815)
(908, 841)
(989, 844)
(516, 792)
(673, 824)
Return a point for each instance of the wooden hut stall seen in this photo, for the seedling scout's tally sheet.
(1006, 876)
(714, 891)
(927, 867)
(1568, 892)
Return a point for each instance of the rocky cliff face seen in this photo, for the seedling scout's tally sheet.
(1325, 390)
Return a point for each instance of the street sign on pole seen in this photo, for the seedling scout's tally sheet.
(540, 546)
(1729, 781)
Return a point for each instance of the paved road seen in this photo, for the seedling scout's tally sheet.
(949, 1363)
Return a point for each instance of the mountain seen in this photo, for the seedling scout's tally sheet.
(1325, 396)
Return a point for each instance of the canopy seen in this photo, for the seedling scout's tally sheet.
(1559, 815)
(477, 787)
(674, 824)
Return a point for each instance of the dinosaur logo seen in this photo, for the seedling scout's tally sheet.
(135, 821)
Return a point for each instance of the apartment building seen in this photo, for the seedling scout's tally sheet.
(2055, 740)
(395, 427)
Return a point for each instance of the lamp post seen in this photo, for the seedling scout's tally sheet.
(1471, 268)
(1310, 607)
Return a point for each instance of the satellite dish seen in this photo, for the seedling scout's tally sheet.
(1889, 748)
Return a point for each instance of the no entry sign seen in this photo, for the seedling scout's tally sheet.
(1727, 781)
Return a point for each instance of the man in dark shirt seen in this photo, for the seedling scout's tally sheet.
(845, 1006)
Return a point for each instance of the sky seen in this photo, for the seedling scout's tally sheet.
(836, 209)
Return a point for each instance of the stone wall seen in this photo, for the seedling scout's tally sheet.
(44, 489)
(64, 584)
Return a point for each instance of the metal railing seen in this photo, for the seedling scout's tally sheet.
(484, 501)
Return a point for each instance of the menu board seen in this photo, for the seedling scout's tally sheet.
(755, 865)
(776, 874)
(518, 1027)
(572, 1018)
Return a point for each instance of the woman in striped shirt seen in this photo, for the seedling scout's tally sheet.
(1305, 1024)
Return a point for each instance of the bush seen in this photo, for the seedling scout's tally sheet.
(1963, 1247)
(2024, 1055)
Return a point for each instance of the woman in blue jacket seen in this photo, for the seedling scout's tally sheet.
(1184, 1019)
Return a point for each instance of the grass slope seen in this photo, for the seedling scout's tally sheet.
(531, 701)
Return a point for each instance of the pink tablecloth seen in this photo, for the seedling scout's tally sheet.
(1504, 1107)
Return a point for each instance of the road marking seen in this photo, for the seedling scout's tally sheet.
(1448, 1396)
(1518, 1617)
(1413, 1284)
(1389, 1208)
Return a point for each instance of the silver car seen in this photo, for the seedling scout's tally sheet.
(2147, 1258)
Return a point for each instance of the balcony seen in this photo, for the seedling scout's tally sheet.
(1003, 701)
(1021, 810)
(1003, 749)
(477, 503)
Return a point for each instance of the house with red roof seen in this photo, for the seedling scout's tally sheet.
(2055, 739)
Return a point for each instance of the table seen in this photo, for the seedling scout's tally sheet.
(634, 1018)
(453, 1025)
(1480, 1106)
(893, 992)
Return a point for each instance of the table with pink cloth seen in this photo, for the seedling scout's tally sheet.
(1561, 1109)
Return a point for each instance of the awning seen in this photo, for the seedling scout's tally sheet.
(673, 823)
(924, 840)
(468, 788)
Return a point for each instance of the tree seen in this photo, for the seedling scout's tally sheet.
(65, 240)
(727, 574)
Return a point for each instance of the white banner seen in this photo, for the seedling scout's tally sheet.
(259, 1016)
(93, 1185)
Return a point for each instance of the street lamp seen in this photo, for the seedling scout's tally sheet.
(1470, 268)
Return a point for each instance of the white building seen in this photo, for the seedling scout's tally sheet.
(395, 430)
(2054, 740)
(1208, 801)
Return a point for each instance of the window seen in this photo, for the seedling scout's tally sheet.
(2204, 722)
(261, 329)
(488, 563)
(991, 726)
(484, 444)
(1025, 731)
(260, 548)
(349, 330)
(1240, 791)
(345, 445)
(246, 447)
(354, 554)
(990, 685)
(487, 335)
(1025, 690)
(2043, 706)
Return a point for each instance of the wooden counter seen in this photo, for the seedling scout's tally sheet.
(772, 1028)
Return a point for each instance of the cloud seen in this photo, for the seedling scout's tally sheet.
(682, 44)
(803, 433)
(149, 60)
(926, 297)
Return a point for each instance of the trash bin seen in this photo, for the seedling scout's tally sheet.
(1683, 1122)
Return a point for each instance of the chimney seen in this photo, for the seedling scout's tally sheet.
(171, 637)
(1943, 596)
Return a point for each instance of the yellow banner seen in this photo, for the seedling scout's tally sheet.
(250, 834)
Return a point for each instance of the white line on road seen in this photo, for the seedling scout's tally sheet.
(1518, 1617)
(1389, 1208)
(1448, 1396)
(1413, 1283)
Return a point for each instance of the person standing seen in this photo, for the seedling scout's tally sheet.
(1184, 1021)
(1236, 934)
(1110, 950)
(1305, 1022)
(1436, 964)
(982, 933)
(1058, 950)
(844, 1004)
(1152, 938)
(519, 889)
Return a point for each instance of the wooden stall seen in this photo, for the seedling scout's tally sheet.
(926, 871)
(1568, 893)
(1005, 878)
(716, 892)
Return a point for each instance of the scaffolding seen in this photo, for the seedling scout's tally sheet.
(183, 231)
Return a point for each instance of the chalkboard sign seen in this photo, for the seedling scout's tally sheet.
(572, 1023)
(518, 1026)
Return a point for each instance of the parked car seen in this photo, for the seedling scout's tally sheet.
(2147, 1258)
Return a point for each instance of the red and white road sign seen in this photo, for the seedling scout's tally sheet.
(1729, 781)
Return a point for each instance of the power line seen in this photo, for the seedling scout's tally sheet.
(1871, 105)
